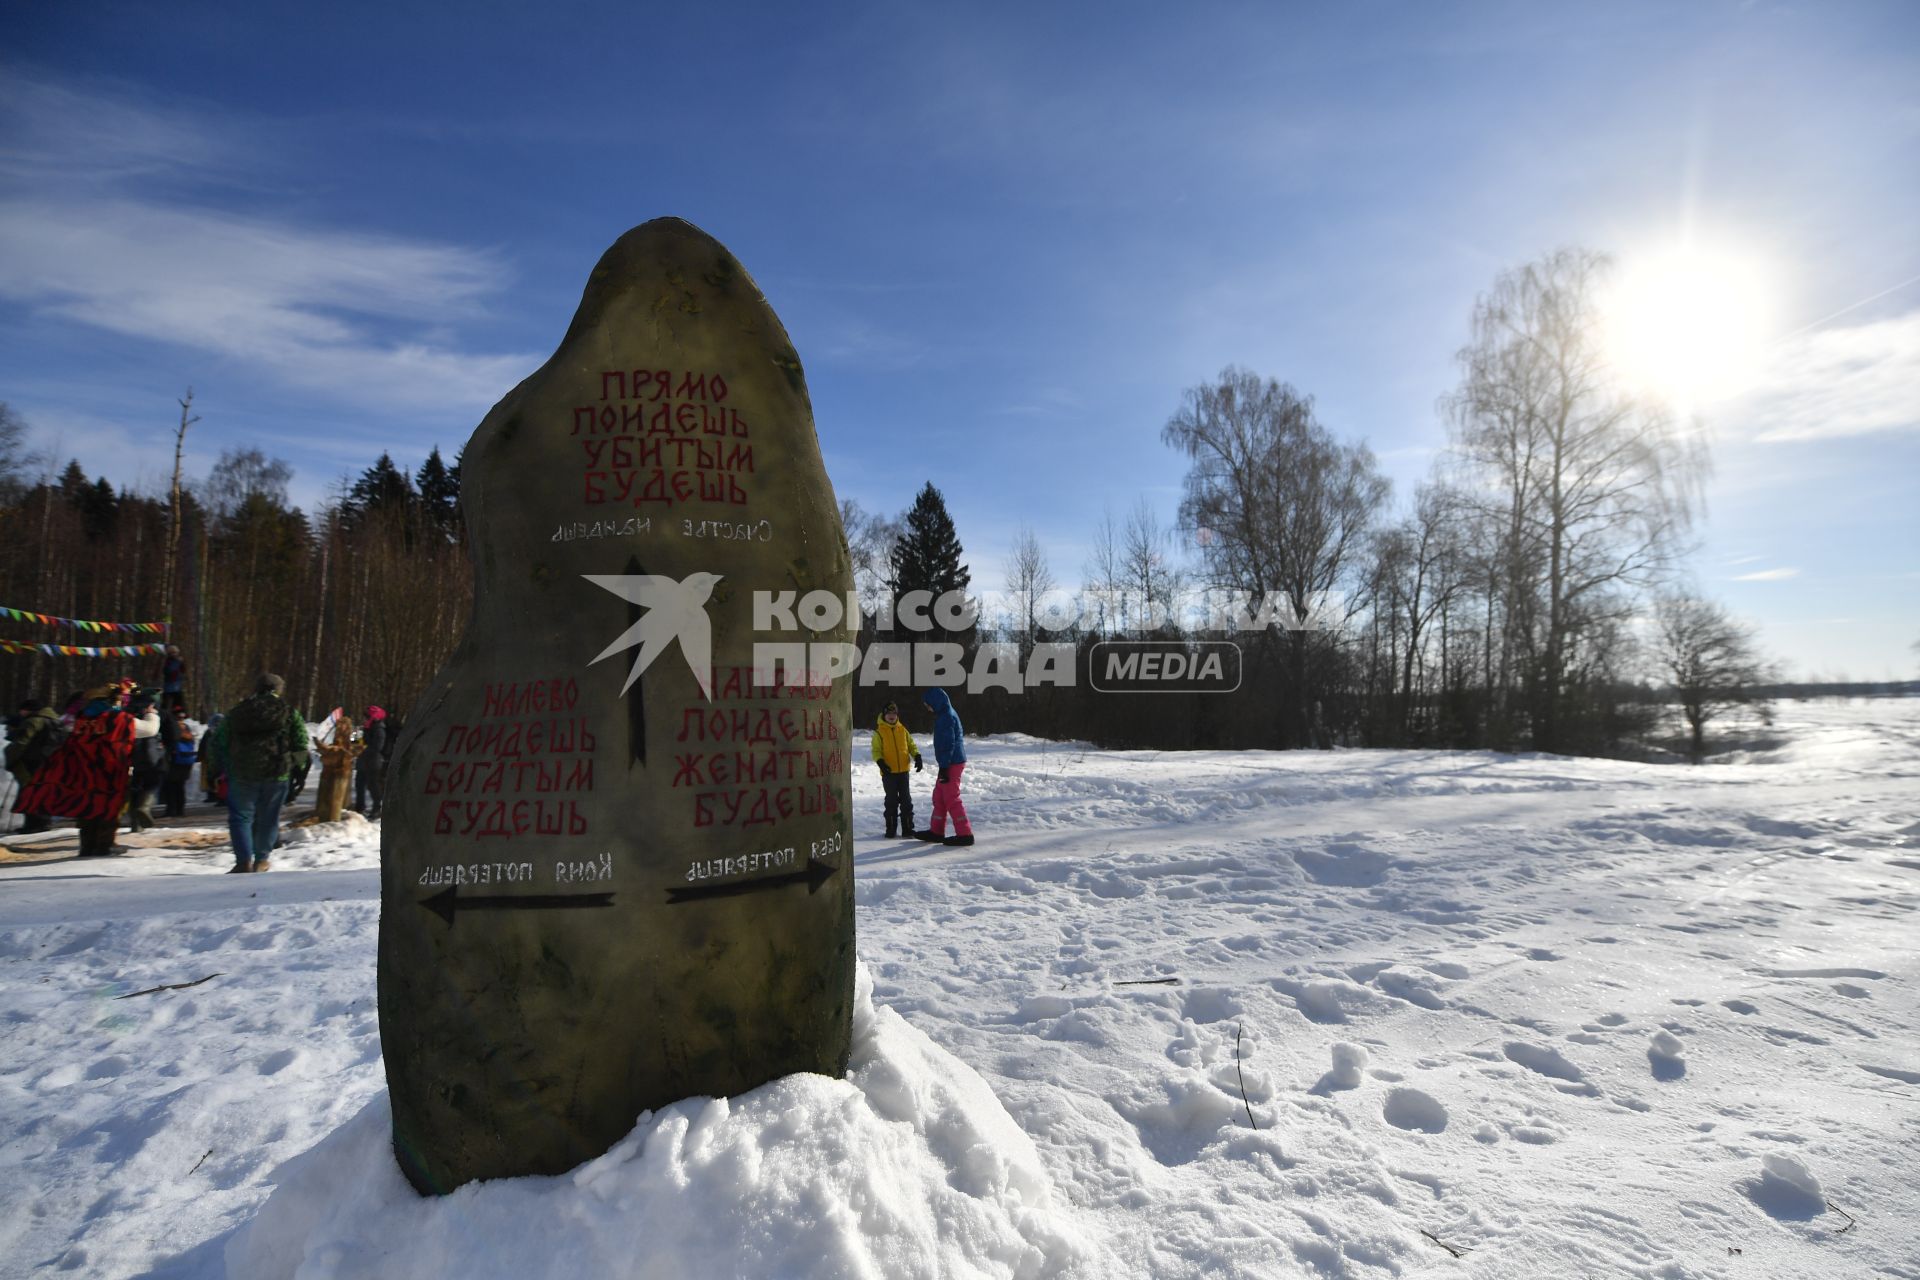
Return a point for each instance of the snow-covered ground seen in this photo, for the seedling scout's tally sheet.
(1211, 1014)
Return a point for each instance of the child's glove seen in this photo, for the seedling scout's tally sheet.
(941, 777)
(918, 764)
(882, 768)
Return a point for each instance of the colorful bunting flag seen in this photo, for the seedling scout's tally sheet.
(83, 651)
(84, 624)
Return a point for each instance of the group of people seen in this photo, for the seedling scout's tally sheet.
(114, 748)
(896, 755)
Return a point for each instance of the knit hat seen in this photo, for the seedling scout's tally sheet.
(270, 683)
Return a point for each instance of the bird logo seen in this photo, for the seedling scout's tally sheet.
(674, 611)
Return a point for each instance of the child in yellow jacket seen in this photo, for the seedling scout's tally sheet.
(893, 750)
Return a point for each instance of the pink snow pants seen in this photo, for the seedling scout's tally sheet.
(946, 800)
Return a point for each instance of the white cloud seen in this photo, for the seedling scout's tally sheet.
(309, 307)
(356, 317)
(134, 459)
(1767, 575)
(1836, 382)
(50, 133)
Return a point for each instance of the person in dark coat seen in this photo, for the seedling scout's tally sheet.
(950, 756)
(211, 765)
(149, 761)
(86, 778)
(173, 680)
(262, 741)
(32, 736)
(370, 771)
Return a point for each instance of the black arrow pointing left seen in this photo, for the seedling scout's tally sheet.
(447, 903)
(815, 874)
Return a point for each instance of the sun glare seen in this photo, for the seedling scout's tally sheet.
(1688, 324)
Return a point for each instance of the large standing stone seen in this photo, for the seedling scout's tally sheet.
(601, 893)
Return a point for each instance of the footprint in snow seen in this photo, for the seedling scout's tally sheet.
(274, 1063)
(1549, 1063)
(1415, 1111)
(1893, 1073)
(1664, 1052)
(1345, 865)
(1211, 1004)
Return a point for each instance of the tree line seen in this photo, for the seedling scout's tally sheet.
(356, 603)
(1530, 594)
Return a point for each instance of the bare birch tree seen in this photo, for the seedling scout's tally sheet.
(1279, 509)
(1150, 577)
(1029, 578)
(1586, 486)
(1711, 659)
(1103, 575)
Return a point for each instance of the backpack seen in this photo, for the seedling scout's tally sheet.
(260, 748)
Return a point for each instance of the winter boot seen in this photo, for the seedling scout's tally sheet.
(961, 841)
(893, 832)
(931, 837)
(239, 868)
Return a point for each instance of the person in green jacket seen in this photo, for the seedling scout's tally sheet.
(25, 754)
(893, 752)
(262, 741)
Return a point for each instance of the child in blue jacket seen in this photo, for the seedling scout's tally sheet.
(950, 754)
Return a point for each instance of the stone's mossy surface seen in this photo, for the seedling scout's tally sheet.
(596, 902)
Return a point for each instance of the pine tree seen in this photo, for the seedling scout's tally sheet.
(382, 487)
(99, 509)
(439, 489)
(927, 556)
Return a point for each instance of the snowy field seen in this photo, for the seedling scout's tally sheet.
(1209, 1014)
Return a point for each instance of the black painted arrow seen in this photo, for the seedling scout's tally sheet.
(636, 696)
(815, 874)
(446, 904)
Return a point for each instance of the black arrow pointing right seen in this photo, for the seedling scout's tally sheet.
(813, 875)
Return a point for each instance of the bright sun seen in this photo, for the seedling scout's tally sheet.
(1688, 325)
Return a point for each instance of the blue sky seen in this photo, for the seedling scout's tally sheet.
(1003, 237)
